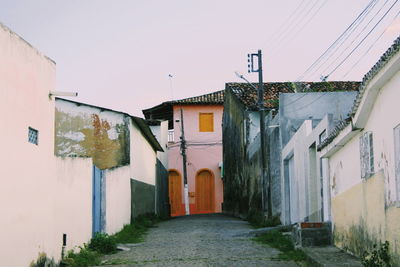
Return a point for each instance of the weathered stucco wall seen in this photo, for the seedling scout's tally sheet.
(242, 195)
(73, 203)
(27, 172)
(143, 198)
(118, 198)
(86, 131)
(364, 211)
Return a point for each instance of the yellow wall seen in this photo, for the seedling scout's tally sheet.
(361, 218)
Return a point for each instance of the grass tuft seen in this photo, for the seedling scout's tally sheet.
(281, 242)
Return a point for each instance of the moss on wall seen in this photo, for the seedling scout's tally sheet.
(361, 219)
(87, 135)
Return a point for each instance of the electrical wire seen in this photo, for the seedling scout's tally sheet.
(371, 46)
(335, 42)
(366, 36)
(308, 21)
(284, 38)
(351, 31)
(354, 39)
(287, 21)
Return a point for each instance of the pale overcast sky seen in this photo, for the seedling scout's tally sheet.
(118, 53)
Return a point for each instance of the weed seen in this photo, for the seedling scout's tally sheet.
(103, 243)
(85, 257)
(43, 261)
(277, 240)
(134, 232)
(378, 257)
(257, 221)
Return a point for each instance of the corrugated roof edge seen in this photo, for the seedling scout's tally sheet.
(141, 123)
(390, 52)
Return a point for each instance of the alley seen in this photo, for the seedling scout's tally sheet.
(200, 240)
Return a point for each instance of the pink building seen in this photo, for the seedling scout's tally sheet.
(202, 124)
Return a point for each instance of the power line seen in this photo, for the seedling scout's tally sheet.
(288, 19)
(370, 47)
(335, 42)
(355, 38)
(358, 45)
(343, 41)
(295, 23)
(309, 20)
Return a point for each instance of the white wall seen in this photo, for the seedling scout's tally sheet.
(161, 133)
(345, 164)
(143, 157)
(27, 173)
(305, 180)
(73, 203)
(118, 198)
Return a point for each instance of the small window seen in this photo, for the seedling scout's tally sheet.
(206, 122)
(366, 155)
(33, 136)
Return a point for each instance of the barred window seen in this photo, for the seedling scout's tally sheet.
(33, 136)
(366, 155)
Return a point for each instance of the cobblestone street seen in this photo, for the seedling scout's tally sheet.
(200, 240)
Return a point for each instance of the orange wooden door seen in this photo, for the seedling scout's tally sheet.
(175, 192)
(205, 192)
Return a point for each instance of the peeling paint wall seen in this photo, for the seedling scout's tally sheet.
(85, 131)
(366, 211)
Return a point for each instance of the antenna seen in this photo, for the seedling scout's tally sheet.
(170, 76)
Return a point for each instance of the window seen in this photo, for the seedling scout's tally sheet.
(366, 155)
(397, 159)
(33, 136)
(206, 122)
(322, 136)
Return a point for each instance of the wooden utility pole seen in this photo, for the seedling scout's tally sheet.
(183, 151)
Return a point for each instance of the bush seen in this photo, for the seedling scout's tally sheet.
(103, 243)
(43, 261)
(85, 257)
(378, 257)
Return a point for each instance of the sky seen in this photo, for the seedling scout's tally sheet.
(118, 54)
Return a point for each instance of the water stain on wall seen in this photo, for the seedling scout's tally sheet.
(88, 135)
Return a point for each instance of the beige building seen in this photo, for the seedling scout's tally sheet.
(364, 163)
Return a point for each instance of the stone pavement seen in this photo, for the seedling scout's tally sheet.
(330, 256)
(199, 240)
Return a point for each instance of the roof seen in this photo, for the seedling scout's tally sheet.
(247, 95)
(141, 123)
(214, 98)
(384, 59)
(164, 110)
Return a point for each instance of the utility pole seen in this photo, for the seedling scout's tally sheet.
(264, 141)
(183, 151)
